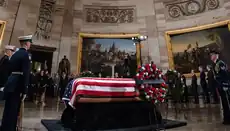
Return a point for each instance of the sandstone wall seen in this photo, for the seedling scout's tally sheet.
(167, 23)
(151, 17)
(8, 14)
(22, 19)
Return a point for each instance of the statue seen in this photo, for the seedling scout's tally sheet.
(64, 66)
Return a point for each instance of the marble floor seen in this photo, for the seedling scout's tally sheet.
(199, 117)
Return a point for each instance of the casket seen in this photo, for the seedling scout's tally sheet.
(107, 104)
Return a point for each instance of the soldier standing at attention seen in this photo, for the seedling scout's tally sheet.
(212, 83)
(195, 87)
(4, 66)
(203, 84)
(221, 77)
(16, 86)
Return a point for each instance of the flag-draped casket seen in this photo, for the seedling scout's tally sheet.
(110, 103)
(99, 88)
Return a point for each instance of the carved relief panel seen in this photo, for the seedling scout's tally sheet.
(2, 2)
(178, 8)
(109, 14)
(45, 21)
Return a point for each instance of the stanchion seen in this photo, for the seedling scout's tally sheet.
(19, 123)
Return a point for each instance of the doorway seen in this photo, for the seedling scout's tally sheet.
(41, 58)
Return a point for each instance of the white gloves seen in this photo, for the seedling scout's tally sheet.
(2, 88)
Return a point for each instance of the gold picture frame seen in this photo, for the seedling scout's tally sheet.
(188, 30)
(95, 35)
(2, 30)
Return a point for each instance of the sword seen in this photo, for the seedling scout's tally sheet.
(227, 99)
(226, 94)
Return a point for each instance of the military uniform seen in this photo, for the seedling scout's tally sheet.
(211, 85)
(16, 86)
(4, 70)
(4, 66)
(195, 88)
(203, 84)
(222, 79)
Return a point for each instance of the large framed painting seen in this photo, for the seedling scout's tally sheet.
(189, 48)
(2, 29)
(108, 54)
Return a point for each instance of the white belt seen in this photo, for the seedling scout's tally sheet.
(17, 73)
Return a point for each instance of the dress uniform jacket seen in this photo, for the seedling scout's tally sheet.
(203, 84)
(15, 86)
(19, 63)
(195, 88)
(212, 85)
(4, 70)
(221, 73)
(222, 79)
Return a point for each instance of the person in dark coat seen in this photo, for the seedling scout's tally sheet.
(185, 88)
(63, 83)
(32, 86)
(195, 87)
(4, 64)
(211, 84)
(50, 87)
(223, 84)
(42, 85)
(171, 75)
(17, 84)
(203, 84)
(177, 90)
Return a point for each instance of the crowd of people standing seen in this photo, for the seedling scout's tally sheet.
(180, 90)
(43, 84)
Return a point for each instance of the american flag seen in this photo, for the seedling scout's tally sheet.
(99, 87)
(68, 91)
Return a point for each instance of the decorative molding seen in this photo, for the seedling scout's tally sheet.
(59, 10)
(3, 3)
(178, 8)
(45, 19)
(109, 14)
(77, 14)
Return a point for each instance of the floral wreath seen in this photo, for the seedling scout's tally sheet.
(171, 76)
(87, 74)
(156, 92)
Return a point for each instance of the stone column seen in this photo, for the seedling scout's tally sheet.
(151, 46)
(56, 32)
(77, 26)
(161, 26)
(67, 29)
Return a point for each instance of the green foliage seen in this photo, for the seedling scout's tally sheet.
(171, 72)
(87, 74)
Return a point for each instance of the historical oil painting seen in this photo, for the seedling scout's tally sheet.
(191, 50)
(100, 54)
(2, 28)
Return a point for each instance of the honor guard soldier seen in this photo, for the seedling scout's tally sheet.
(222, 80)
(203, 84)
(16, 86)
(4, 64)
